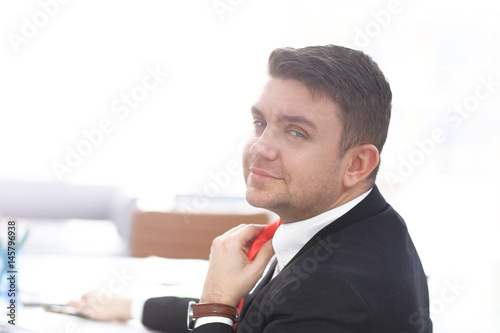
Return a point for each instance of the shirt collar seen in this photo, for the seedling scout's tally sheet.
(291, 237)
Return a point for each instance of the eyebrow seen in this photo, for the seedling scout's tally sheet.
(288, 118)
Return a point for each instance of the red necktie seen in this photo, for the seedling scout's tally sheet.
(266, 234)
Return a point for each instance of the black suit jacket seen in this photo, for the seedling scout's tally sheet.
(358, 274)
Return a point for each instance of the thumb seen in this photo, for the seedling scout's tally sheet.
(265, 253)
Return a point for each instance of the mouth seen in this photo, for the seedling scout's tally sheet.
(261, 176)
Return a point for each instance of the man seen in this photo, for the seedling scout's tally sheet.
(344, 261)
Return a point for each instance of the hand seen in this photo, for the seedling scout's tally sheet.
(103, 305)
(231, 275)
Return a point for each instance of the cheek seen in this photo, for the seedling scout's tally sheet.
(314, 170)
(301, 171)
(246, 156)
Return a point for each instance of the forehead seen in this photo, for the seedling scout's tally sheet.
(291, 99)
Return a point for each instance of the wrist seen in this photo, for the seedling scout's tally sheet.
(203, 310)
(124, 309)
(218, 299)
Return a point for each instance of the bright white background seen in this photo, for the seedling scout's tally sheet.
(62, 73)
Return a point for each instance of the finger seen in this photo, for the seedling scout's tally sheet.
(241, 238)
(88, 296)
(234, 230)
(250, 234)
(249, 231)
(73, 304)
(79, 304)
(89, 313)
(256, 229)
(241, 234)
(238, 241)
(265, 254)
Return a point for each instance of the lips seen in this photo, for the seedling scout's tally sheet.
(261, 176)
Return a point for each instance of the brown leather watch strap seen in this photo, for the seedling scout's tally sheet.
(215, 309)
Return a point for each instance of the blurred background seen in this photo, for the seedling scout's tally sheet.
(154, 97)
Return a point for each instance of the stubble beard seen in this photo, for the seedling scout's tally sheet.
(273, 201)
(310, 201)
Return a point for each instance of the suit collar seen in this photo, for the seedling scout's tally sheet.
(373, 204)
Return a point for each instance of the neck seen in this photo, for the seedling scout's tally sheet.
(346, 196)
(350, 194)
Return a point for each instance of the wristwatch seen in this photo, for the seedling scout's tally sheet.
(198, 310)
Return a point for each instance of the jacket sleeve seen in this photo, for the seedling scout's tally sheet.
(166, 314)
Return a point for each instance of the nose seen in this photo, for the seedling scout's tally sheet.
(265, 146)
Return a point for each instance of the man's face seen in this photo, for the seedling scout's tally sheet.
(291, 162)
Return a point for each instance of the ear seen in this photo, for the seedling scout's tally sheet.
(363, 159)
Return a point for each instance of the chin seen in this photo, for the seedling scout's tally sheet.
(259, 199)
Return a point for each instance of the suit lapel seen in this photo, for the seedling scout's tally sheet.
(265, 280)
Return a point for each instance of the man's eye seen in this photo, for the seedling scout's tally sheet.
(259, 123)
(297, 134)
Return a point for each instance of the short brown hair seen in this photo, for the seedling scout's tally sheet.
(351, 79)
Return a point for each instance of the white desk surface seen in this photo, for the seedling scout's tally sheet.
(58, 279)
